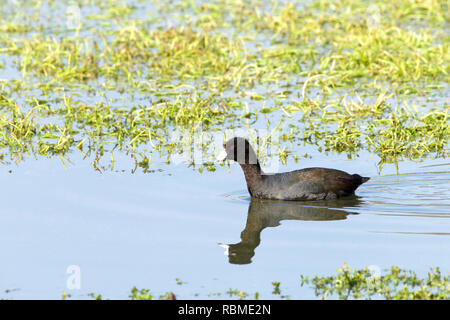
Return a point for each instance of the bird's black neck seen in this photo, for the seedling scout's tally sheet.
(253, 176)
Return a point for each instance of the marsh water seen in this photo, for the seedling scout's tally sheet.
(147, 230)
(174, 229)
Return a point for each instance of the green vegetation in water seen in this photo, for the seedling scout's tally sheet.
(101, 129)
(393, 284)
(130, 74)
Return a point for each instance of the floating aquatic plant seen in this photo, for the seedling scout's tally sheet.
(125, 78)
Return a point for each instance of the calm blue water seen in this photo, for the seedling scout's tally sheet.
(147, 230)
(139, 229)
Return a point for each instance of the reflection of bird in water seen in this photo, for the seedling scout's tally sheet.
(269, 213)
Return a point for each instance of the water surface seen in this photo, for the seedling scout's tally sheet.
(149, 229)
(140, 229)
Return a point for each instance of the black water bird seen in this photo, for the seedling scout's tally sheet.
(304, 184)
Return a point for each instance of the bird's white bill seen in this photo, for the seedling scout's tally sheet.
(227, 248)
(221, 156)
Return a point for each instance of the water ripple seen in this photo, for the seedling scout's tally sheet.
(421, 194)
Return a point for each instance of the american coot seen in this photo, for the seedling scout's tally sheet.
(304, 184)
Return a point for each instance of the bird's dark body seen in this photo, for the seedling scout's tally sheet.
(304, 184)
